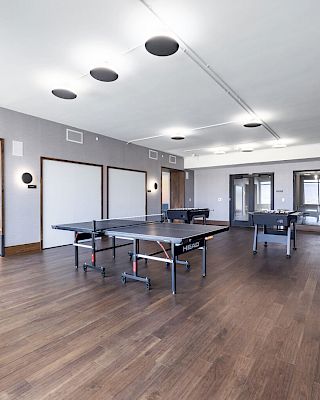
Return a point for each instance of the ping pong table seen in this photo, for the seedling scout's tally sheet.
(182, 239)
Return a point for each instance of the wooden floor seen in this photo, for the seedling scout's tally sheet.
(250, 330)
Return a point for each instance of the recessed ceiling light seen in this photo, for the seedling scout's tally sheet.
(247, 149)
(177, 137)
(279, 145)
(104, 74)
(162, 46)
(64, 94)
(252, 124)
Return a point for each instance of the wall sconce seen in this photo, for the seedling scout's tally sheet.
(26, 178)
(155, 187)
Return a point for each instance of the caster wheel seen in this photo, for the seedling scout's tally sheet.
(167, 265)
(254, 253)
(294, 248)
(288, 256)
(123, 280)
(85, 268)
(266, 245)
(188, 267)
(148, 285)
(103, 272)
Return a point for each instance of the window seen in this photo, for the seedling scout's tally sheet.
(311, 191)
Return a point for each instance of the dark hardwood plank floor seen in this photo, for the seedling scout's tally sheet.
(249, 330)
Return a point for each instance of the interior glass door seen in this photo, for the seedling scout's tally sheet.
(241, 199)
(249, 192)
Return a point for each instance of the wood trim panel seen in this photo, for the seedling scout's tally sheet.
(127, 169)
(23, 248)
(41, 186)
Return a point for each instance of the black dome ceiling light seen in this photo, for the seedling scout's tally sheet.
(104, 74)
(162, 46)
(252, 124)
(177, 137)
(64, 94)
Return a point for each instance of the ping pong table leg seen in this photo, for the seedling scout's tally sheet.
(173, 269)
(135, 258)
(93, 250)
(204, 259)
(76, 251)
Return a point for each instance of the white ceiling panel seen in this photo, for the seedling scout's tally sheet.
(267, 52)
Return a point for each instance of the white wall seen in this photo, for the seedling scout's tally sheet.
(213, 183)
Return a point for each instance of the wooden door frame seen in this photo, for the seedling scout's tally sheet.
(42, 159)
(2, 227)
(166, 169)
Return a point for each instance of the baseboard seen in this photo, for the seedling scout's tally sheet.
(23, 249)
(309, 228)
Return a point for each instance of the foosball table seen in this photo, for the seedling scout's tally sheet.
(275, 226)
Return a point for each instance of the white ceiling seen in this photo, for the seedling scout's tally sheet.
(266, 51)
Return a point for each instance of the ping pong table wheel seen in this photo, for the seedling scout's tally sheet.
(103, 272)
(167, 265)
(288, 256)
(85, 267)
(254, 252)
(265, 244)
(148, 284)
(188, 266)
(123, 279)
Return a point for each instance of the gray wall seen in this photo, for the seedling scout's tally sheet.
(45, 138)
(212, 185)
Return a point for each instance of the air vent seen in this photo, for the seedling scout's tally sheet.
(17, 148)
(153, 154)
(74, 136)
(172, 159)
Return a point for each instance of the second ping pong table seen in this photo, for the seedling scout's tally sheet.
(182, 239)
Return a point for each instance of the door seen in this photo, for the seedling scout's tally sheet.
(71, 192)
(177, 182)
(249, 192)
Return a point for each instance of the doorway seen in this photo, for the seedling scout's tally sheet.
(248, 193)
(172, 188)
(306, 195)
